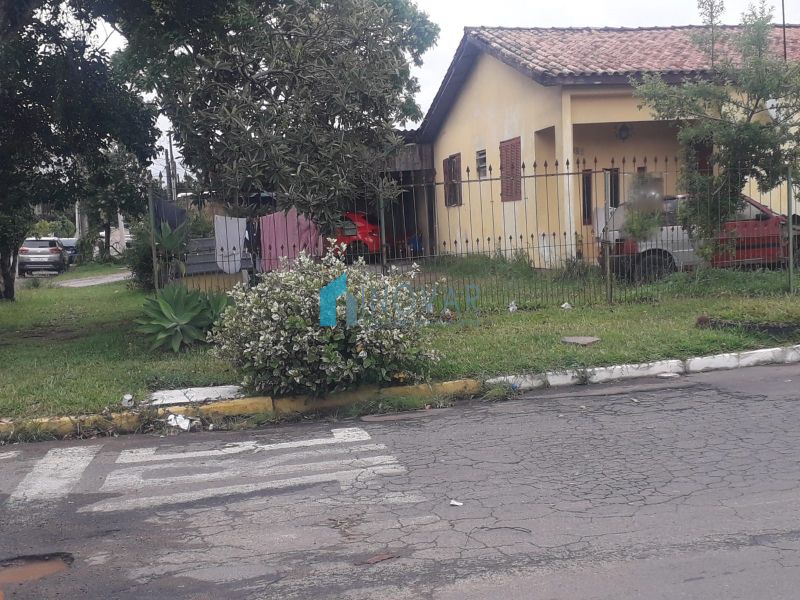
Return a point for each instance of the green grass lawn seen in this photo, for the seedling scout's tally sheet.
(67, 351)
(501, 280)
(530, 341)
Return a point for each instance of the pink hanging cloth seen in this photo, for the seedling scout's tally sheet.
(285, 235)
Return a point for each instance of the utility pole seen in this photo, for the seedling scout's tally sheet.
(789, 182)
(169, 176)
(153, 254)
(783, 15)
(171, 166)
(790, 215)
(607, 238)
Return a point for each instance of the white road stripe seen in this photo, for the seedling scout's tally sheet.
(55, 474)
(340, 436)
(135, 477)
(343, 477)
(9, 455)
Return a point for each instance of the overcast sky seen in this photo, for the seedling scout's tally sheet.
(453, 15)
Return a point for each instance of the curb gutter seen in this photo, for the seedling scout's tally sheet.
(661, 368)
(132, 421)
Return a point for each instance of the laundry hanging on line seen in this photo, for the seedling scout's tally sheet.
(229, 234)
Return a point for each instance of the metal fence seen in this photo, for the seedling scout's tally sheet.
(578, 233)
(545, 234)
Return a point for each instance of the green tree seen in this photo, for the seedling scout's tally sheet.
(296, 97)
(62, 105)
(745, 111)
(114, 183)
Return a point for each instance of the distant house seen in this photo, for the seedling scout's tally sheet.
(519, 102)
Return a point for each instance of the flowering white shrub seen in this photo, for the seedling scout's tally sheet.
(272, 332)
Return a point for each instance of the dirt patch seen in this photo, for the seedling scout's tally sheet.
(52, 334)
(55, 334)
(777, 330)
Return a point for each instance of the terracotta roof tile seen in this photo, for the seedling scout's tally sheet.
(606, 55)
(581, 52)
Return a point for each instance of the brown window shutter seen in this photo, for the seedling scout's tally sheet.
(451, 167)
(446, 180)
(511, 170)
(456, 165)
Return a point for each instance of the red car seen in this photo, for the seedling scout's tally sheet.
(754, 235)
(361, 233)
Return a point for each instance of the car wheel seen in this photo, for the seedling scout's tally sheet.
(23, 274)
(653, 267)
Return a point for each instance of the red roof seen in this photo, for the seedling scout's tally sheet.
(567, 53)
(588, 55)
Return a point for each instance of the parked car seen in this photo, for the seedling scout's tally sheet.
(755, 235)
(362, 235)
(71, 246)
(43, 254)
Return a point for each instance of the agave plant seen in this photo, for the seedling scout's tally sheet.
(216, 303)
(178, 317)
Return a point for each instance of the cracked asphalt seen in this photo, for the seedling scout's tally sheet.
(680, 488)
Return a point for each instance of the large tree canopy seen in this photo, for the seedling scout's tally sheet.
(745, 112)
(62, 106)
(296, 97)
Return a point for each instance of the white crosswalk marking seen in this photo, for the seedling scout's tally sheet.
(159, 476)
(55, 475)
(343, 477)
(133, 477)
(340, 436)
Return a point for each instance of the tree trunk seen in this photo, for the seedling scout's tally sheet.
(8, 272)
(107, 249)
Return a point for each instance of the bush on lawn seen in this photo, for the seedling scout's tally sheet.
(177, 317)
(170, 250)
(139, 258)
(272, 332)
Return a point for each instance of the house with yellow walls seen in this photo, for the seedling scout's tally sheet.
(535, 133)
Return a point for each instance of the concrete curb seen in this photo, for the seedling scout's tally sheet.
(661, 368)
(132, 421)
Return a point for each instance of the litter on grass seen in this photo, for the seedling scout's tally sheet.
(179, 421)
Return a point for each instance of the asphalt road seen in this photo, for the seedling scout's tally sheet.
(667, 489)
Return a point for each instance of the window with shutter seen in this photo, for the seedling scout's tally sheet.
(452, 180)
(511, 170)
(586, 196)
(613, 198)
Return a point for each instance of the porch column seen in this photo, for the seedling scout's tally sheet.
(566, 185)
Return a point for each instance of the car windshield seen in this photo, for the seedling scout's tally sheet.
(40, 243)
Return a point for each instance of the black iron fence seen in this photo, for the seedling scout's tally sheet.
(580, 233)
(544, 234)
